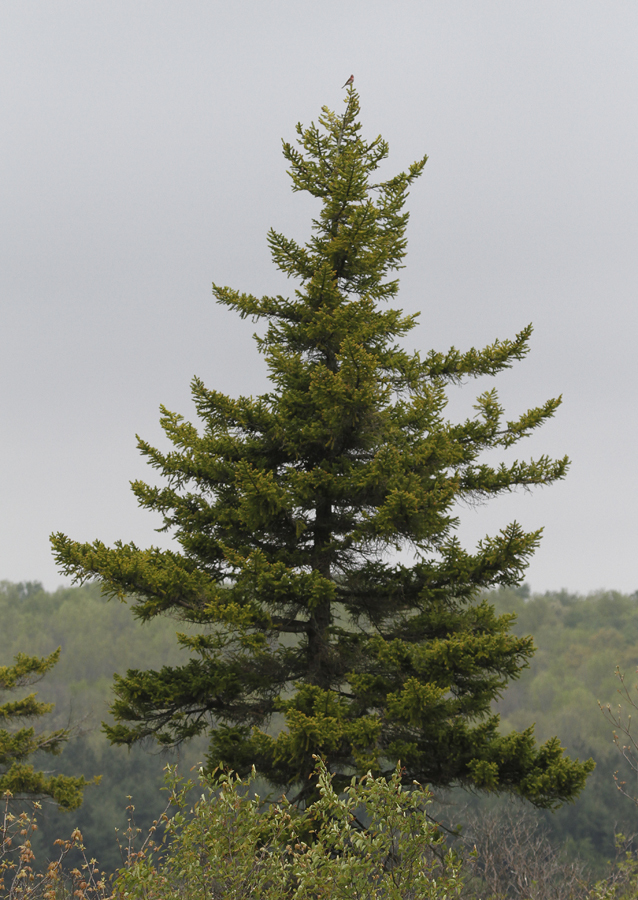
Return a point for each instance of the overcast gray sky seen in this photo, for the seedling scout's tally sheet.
(141, 160)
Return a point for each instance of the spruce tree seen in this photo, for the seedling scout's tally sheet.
(17, 774)
(289, 509)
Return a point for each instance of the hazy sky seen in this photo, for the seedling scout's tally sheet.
(141, 160)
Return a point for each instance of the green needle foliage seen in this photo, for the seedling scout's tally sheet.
(288, 508)
(17, 776)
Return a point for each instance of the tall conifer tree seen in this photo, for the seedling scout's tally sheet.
(288, 508)
(18, 744)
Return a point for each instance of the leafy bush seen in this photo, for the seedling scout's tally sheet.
(226, 846)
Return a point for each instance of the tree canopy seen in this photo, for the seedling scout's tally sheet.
(288, 509)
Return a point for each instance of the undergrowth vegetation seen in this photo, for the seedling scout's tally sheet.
(217, 840)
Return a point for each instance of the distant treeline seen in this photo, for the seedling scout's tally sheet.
(580, 642)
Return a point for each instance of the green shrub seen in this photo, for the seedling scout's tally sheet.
(227, 845)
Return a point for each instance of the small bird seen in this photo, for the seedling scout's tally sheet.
(349, 81)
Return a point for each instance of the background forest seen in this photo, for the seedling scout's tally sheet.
(580, 641)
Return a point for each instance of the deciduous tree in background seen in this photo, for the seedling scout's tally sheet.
(17, 775)
(288, 509)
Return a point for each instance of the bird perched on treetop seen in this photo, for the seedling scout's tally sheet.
(349, 81)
